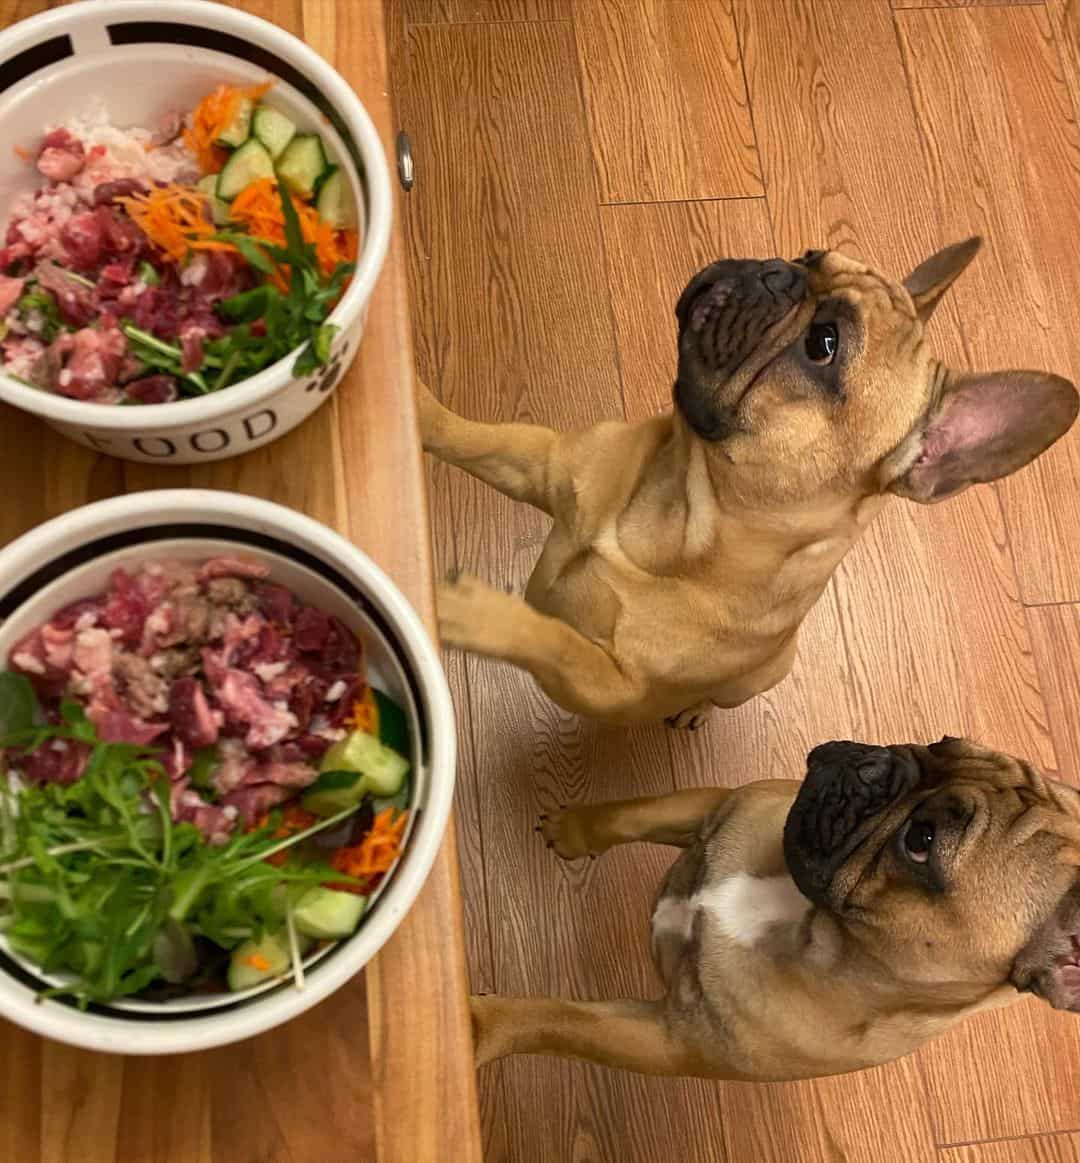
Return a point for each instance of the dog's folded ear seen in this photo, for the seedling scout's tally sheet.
(983, 427)
(1049, 964)
(929, 281)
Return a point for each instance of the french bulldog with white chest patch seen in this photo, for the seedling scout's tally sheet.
(817, 928)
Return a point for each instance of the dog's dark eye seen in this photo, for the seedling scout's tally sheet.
(918, 840)
(822, 343)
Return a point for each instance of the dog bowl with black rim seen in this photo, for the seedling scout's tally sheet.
(143, 59)
(70, 558)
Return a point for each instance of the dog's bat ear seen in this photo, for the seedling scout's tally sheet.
(929, 281)
(983, 427)
(1049, 964)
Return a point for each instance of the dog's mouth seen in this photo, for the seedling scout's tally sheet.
(709, 419)
(1069, 961)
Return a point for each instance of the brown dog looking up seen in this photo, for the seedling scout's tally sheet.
(686, 550)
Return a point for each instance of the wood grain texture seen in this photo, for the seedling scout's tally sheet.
(652, 251)
(1065, 20)
(1004, 161)
(512, 320)
(484, 11)
(264, 1100)
(922, 632)
(1040, 1149)
(664, 91)
(928, 602)
(961, 3)
(1055, 636)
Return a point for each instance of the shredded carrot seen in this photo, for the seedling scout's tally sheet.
(211, 118)
(293, 819)
(258, 208)
(374, 854)
(365, 714)
(22, 153)
(173, 218)
(257, 961)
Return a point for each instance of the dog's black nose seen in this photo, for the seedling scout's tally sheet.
(728, 307)
(865, 771)
(847, 787)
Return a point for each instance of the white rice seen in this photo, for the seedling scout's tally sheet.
(129, 153)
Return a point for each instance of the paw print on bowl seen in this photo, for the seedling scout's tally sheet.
(325, 378)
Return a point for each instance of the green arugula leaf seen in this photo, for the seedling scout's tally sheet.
(19, 708)
(38, 299)
(322, 341)
(93, 885)
(249, 305)
(205, 763)
(306, 362)
(294, 236)
(252, 252)
(293, 320)
(73, 716)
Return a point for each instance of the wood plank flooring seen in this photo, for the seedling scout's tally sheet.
(576, 161)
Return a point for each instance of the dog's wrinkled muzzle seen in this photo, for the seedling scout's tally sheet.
(847, 788)
(724, 314)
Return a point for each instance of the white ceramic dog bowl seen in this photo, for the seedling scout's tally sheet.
(144, 58)
(70, 558)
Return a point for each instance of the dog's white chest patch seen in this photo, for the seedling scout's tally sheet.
(746, 906)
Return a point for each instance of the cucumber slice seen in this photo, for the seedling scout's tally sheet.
(333, 792)
(273, 129)
(327, 914)
(253, 962)
(335, 202)
(219, 210)
(250, 163)
(383, 770)
(301, 165)
(357, 766)
(239, 129)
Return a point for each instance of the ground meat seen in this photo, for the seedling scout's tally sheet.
(62, 156)
(10, 290)
(145, 690)
(180, 659)
(157, 389)
(232, 592)
(74, 300)
(107, 193)
(92, 363)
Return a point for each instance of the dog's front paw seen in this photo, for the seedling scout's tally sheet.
(475, 616)
(464, 606)
(692, 718)
(569, 833)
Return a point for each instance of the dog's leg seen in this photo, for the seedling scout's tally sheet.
(632, 1035)
(517, 459)
(590, 829)
(576, 673)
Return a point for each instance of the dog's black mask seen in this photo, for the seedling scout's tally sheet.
(847, 787)
(724, 313)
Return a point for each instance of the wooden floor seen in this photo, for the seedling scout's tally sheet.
(576, 160)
